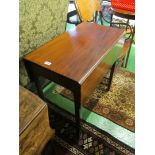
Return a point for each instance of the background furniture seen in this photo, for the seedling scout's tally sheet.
(125, 9)
(91, 10)
(126, 5)
(77, 60)
(113, 13)
(34, 129)
(86, 11)
(72, 15)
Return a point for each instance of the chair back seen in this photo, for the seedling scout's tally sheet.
(86, 8)
(128, 5)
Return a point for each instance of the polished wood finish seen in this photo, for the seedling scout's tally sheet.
(97, 4)
(91, 82)
(85, 9)
(76, 60)
(34, 129)
(125, 48)
(75, 54)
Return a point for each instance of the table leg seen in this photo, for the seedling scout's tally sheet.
(39, 88)
(77, 97)
(111, 76)
(34, 77)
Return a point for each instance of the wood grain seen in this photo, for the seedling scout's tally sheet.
(85, 9)
(75, 54)
(29, 107)
(34, 124)
(125, 48)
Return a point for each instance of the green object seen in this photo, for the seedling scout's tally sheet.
(131, 61)
(115, 130)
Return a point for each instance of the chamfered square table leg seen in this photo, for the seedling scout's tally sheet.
(77, 105)
(34, 77)
(111, 76)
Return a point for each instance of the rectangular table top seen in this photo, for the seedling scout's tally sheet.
(75, 54)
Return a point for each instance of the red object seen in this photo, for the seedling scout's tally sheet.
(127, 5)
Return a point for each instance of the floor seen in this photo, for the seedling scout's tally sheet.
(115, 130)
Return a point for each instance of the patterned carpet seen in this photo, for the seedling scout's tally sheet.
(92, 141)
(118, 104)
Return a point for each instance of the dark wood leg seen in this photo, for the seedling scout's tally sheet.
(111, 76)
(39, 88)
(34, 77)
(77, 102)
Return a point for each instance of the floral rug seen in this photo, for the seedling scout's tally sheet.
(92, 141)
(118, 104)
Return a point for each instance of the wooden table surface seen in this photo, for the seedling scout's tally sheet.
(76, 53)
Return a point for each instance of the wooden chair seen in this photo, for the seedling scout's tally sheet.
(85, 9)
(125, 9)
